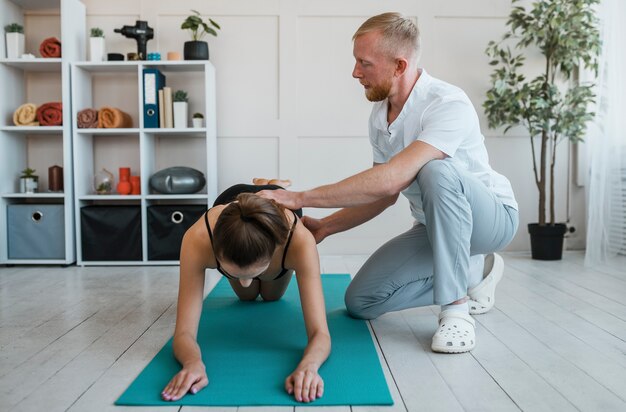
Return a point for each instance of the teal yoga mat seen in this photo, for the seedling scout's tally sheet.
(249, 348)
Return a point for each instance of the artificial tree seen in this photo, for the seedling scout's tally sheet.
(552, 106)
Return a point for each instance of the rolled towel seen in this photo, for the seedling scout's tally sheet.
(112, 118)
(51, 47)
(26, 115)
(50, 114)
(87, 119)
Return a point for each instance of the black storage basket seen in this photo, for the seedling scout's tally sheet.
(167, 226)
(111, 233)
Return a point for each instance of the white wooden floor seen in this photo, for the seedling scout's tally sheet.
(72, 339)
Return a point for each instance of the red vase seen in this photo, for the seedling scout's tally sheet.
(124, 187)
(135, 183)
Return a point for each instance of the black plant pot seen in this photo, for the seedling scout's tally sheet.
(546, 242)
(196, 50)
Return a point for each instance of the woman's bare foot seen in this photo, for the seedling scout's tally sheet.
(259, 181)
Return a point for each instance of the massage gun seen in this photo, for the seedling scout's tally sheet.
(140, 32)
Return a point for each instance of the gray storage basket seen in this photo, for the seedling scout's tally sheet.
(36, 231)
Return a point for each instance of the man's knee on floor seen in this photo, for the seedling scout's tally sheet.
(358, 307)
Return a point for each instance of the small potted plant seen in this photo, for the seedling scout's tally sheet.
(97, 49)
(197, 120)
(198, 49)
(180, 109)
(15, 40)
(29, 182)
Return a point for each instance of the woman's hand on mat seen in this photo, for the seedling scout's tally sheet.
(191, 378)
(305, 384)
(288, 199)
(315, 226)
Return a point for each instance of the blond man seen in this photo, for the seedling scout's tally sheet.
(427, 145)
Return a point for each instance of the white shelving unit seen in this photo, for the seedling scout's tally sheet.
(144, 150)
(38, 147)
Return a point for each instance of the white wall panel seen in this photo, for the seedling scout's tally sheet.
(328, 160)
(465, 64)
(330, 101)
(240, 159)
(245, 55)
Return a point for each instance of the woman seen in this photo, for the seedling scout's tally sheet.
(256, 244)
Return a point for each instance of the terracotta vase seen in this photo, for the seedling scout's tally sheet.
(124, 187)
(135, 182)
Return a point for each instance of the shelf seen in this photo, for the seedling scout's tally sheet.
(38, 64)
(110, 197)
(109, 67)
(37, 4)
(112, 263)
(38, 261)
(130, 66)
(187, 131)
(161, 131)
(177, 65)
(38, 80)
(33, 129)
(33, 195)
(104, 132)
(202, 196)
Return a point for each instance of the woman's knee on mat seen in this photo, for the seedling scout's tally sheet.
(245, 294)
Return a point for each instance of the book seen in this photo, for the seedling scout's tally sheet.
(168, 107)
(161, 109)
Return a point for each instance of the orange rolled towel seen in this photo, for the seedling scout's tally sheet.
(110, 118)
(50, 114)
(26, 115)
(51, 47)
(87, 119)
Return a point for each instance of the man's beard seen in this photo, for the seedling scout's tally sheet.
(379, 92)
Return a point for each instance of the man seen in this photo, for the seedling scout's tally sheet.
(428, 146)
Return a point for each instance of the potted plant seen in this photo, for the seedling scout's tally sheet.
(197, 119)
(180, 109)
(552, 106)
(97, 50)
(197, 49)
(29, 182)
(14, 33)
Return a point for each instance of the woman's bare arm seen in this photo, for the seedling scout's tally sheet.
(305, 382)
(193, 263)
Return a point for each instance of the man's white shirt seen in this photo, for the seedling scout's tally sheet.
(441, 115)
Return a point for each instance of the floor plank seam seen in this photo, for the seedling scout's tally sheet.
(388, 366)
(538, 313)
(51, 343)
(539, 279)
(521, 285)
(142, 333)
(79, 354)
(429, 354)
(573, 281)
(563, 357)
(117, 358)
(530, 367)
(495, 381)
